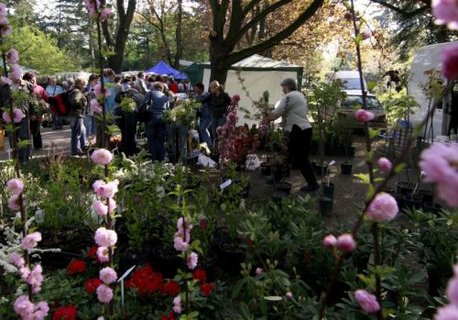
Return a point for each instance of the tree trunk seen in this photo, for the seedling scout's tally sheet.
(178, 35)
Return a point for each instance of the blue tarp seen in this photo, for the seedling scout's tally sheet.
(163, 68)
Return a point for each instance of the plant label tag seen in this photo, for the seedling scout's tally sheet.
(225, 184)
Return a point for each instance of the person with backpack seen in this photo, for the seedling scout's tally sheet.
(156, 104)
(77, 102)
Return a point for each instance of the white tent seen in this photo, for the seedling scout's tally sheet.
(426, 59)
(259, 74)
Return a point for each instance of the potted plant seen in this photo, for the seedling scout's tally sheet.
(323, 103)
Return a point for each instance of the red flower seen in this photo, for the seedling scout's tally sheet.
(92, 252)
(172, 288)
(146, 281)
(76, 266)
(170, 316)
(92, 284)
(65, 313)
(206, 288)
(203, 224)
(200, 275)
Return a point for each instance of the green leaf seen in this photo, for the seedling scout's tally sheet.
(370, 191)
(373, 133)
(364, 177)
(399, 167)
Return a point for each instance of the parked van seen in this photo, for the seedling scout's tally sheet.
(428, 59)
(350, 80)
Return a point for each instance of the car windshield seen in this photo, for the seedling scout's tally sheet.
(356, 102)
(351, 84)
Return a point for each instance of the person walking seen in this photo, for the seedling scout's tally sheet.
(52, 90)
(293, 109)
(78, 103)
(205, 114)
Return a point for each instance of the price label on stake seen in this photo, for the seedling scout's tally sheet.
(121, 279)
(225, 184)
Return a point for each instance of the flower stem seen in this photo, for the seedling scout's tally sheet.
(377, 262)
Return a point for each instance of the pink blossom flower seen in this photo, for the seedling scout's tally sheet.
(447, 312)
(7, 81)
(177, 304)
(30, 241)
(13, 202)
(364, 115)
(111, 205)
(18, 115)
(368, 302)
(192, 260)
(23, 306)
(107, 190)
(102, 254)
(449, 59)
(41, 310)
(95, 106)
(439, 165)
(346, 243)
(100, 208)
(102, 156)
(289, 295)
(104, 293)
(452, 290)
(180, 222)
(35, 278)
(6, 117)
(105, 13)
(24, 272)
(105, 237)
(179, 244)
(383, 207)
(3, 21)
(6, 31)
(108, 275)
(384, 164)
(258, 271)
(15, 72)
(446, 12)
(17, 260)
(3, 11)
(12, 56)
(15, 185)
(329, 241)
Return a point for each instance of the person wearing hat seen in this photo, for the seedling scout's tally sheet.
(293, 109)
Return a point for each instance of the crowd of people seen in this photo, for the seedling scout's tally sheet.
(151, 96)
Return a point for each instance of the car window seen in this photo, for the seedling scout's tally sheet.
(356, 102)
(351, 84)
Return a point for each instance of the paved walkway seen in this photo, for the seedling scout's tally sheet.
(54, 141)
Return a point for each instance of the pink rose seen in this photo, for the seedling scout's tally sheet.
(364, 115)
(102, 156)
(102, 254)
(446, 12)
(108, 275)
(31, 240)
(105, 237)
(449, 58)
(368, 302)
(100, 208)
(192, 260)
(384, 164)
(329, 241)
(447, 312)
(16, 186)
(104, 293)
(346, 243)
(383, 208)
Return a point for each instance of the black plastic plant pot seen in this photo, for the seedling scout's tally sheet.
(284, 187)
(346, 168)
(326, 206)
(427, 195)
(328, 190)
(320, 170)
